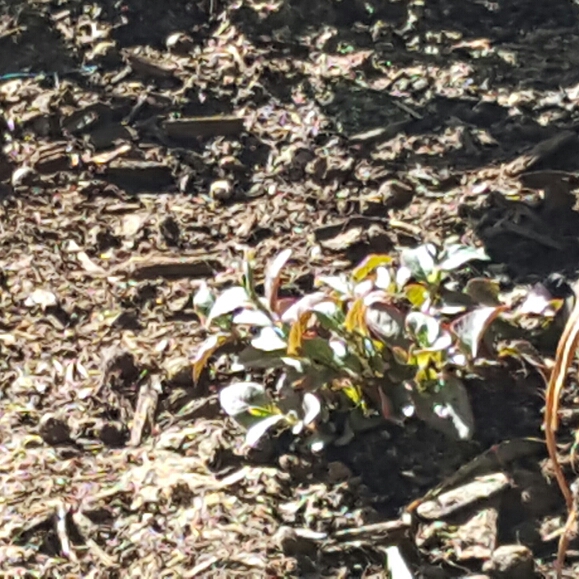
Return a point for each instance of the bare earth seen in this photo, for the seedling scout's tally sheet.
(338, 129)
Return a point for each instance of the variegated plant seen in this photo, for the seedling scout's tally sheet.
(391, 339)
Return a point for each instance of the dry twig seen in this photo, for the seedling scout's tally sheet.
(565, 351)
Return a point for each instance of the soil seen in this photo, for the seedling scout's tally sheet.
(145, 145)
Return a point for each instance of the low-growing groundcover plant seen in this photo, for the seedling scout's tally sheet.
(393, 339)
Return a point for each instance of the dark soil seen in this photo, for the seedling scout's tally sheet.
(409, 121)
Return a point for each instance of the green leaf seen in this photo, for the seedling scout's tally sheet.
(523, 350)
(456, 255)
(451, 302)
(248, 276)
(471, 327)
(420, 261)
(258, 430)
(332, 322)
(319, 350)
(483, 291)
(272, 278)
(362, 271)
(228, 301)
(352, 391)
(251, 358)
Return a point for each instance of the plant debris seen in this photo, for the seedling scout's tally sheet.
(351, 226)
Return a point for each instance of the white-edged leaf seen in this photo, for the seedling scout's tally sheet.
(363, 288)
(268, 340)
(339, 283)
(457, 255)
(228, 301)
(330, 309)
(448, 410)
(403, 276)
(443, 342)
(257, 431)
(240, 397)
(272, 278)
(383, 278)
(419, 260)
(247, 317)
(376, 297)
(338, 347)
(423, 327)
(203, 299)
(471, 327)
(303, 305)
(385, 322)
(539, 302)
(311, 407)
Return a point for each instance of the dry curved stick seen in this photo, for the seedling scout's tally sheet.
(565, 351)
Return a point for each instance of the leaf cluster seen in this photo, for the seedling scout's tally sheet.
(392, 339)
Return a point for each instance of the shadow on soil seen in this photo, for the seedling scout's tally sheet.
(535, 49)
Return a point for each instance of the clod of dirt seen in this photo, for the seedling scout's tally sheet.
(113, 435)
(541, 152)
(338, 471)
(54, 430)
(395, 194)
(170, 231)
(294, 546)
(511, 562)
(139, 176)
(118, 365)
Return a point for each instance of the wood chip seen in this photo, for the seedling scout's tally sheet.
(168, 267)
(540, 152)
(189, 128)
(451, 501)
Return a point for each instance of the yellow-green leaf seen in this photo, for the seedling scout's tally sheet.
(362, 271)
(296, 334)
(355, 318)
(416, 294)
(206, 350)
(263, 412)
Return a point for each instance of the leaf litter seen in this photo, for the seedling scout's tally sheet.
(146, 149)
